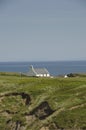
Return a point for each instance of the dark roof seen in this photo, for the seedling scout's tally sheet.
(41, 71)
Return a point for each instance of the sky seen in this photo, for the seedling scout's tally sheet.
(42, 30)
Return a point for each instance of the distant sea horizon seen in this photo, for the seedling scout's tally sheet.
(54, 67)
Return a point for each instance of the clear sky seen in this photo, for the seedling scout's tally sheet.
(42, 30)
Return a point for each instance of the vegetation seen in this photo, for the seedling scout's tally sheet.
(42, 103)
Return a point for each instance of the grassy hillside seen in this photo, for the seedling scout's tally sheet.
(42, 103)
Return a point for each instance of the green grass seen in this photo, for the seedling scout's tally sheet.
(66, 96)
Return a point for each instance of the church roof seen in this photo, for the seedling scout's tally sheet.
(41, 71)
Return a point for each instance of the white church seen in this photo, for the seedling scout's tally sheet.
(38, 72)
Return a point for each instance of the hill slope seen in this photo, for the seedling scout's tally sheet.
(42, 103)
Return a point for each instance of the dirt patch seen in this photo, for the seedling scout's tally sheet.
(44, 128)
(27, 97)
(54, 126)
(42, 111)
(24, 96)
(78, 106)
(10, 112)
(30, 119)
(14, 125)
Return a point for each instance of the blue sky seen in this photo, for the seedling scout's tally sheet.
(42, 30)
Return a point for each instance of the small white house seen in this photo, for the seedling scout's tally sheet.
(38, 72)
(65, 76)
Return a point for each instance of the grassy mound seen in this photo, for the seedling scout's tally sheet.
(42, 103)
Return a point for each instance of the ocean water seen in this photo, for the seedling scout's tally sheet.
(55, 68)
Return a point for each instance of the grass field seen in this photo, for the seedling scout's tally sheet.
(42, 103)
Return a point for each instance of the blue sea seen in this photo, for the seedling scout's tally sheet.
(55, 68)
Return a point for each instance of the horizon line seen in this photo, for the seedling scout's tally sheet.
(44, 60)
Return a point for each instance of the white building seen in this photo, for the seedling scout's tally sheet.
(38, 72)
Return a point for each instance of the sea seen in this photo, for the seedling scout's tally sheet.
(55, 68)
